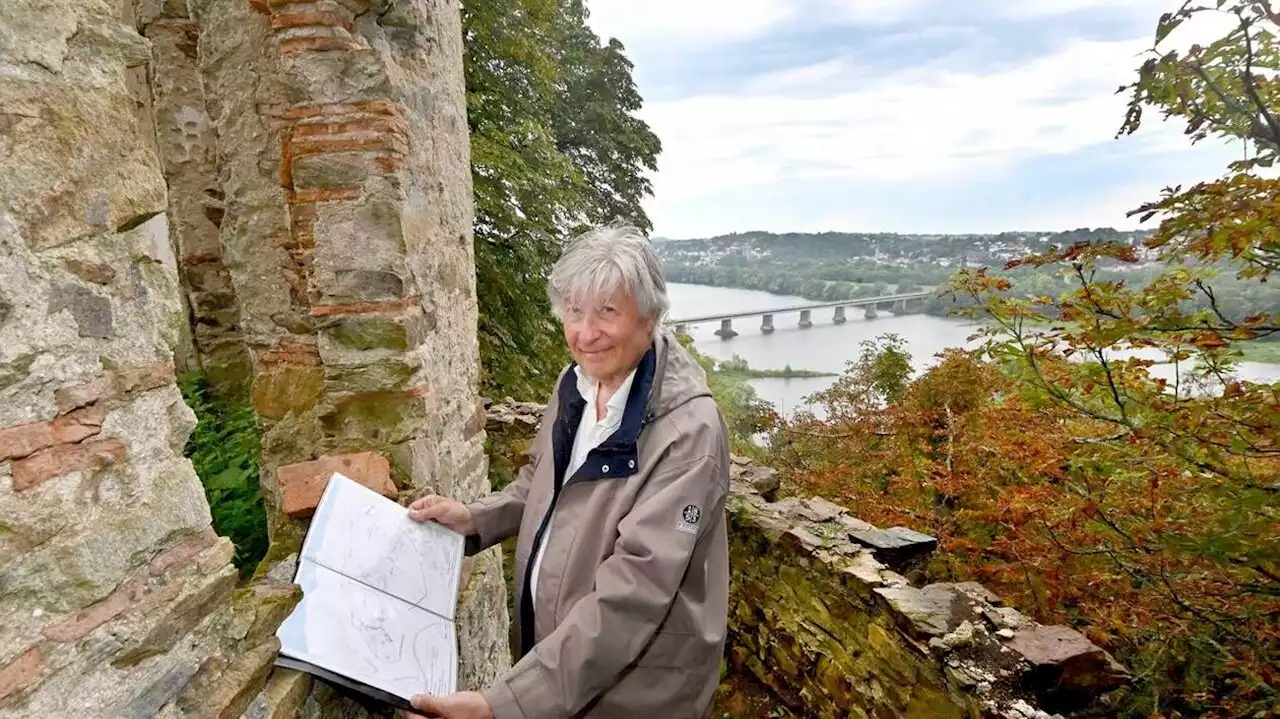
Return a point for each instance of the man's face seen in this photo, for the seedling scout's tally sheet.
(607, 338)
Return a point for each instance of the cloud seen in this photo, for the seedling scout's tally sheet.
(781, 114)
(679, 24)
(926, 123)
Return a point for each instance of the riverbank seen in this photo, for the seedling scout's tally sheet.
(1260, 351)
(786, 373)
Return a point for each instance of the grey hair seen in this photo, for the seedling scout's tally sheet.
(606, 259)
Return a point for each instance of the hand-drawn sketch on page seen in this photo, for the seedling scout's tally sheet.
(379, 592)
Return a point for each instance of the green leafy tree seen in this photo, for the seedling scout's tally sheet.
(1173, 486)
(555, 147)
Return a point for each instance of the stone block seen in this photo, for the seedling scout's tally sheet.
(285, 692)
(180, 616)
(302, 484)
(369, 333)
(1067, 668)
(897, 547)
(287, 388)
(396, 373)
(227, 693)
(932, 611)
(377, 418)
(763, 480)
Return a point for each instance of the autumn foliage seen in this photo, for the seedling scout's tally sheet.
(1098, 461)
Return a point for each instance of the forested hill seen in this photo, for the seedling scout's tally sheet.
(940, 249)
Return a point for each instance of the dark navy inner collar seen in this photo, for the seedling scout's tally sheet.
(615, 456)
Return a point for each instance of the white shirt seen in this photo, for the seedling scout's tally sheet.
(590, 434)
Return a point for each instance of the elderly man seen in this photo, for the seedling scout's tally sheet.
(622, 558)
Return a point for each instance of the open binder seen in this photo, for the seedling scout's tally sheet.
(379, 592)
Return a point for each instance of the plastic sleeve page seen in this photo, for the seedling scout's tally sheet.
(352, 630)
(359, 533)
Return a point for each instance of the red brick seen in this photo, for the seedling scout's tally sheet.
(324, 194)
(182, 553)
(78, 425)
(370, 141)
(389, 163)
(26, 439)
(296, 45)
(376, 124)
(64, 459)
(311, 18)
(114, 384)
(290, 352)
(365, 308)
(302, 484)
(376, 107)
(22, 672)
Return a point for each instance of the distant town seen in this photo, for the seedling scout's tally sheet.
(888, 249)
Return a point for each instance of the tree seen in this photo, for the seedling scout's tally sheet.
(554, 147)
(1098, 462)
(1174, 482)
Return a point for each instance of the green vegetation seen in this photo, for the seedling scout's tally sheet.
(555, 146)
(737, 368)
(225, 450)
(1055, 468)
(745, 414)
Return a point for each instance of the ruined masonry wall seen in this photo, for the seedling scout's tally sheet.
(344, 170)
(297, 172)
(187, 148)
(821, 615)
(116, 597)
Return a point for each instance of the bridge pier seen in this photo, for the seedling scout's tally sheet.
(766, 324)
(682, 329)
(726, 330)
(900, 307)
(806, 319)
(839, 318)
(871, 312)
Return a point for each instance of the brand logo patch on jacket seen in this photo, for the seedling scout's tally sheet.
(689, 519)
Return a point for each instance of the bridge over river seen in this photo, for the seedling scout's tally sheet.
(899, 303)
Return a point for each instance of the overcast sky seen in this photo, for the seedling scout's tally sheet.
(897, 115)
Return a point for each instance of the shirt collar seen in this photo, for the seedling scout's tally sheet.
(616, 404)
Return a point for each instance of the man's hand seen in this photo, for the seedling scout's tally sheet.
(461, 705)
(447, 512)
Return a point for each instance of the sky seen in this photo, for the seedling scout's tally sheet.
(914, 116)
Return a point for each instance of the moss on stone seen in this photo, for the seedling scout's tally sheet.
(369, 333)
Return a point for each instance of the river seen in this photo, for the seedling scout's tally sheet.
(827, 347)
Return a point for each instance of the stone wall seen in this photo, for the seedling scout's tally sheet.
(293, 178)
(187, 147)
(823, 615)
(343, 172)
(116, 597)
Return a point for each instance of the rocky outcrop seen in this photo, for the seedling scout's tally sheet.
(117, 599)
(822, 613)
(820, 617)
